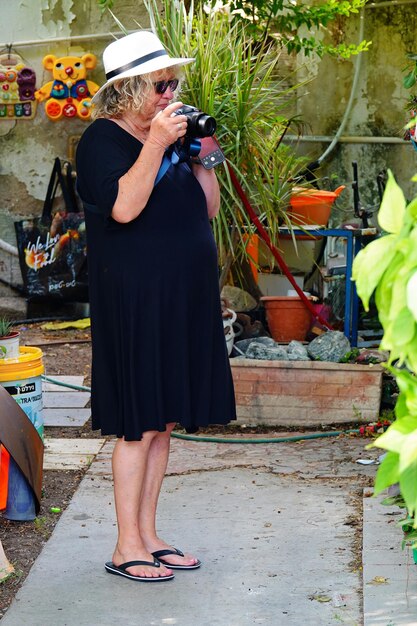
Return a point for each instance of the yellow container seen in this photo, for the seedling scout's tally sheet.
(21, 376)
(28, 364)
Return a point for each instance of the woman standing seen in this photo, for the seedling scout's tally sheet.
(159, 353)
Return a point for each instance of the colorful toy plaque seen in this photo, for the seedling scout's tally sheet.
(17, 89)
(69, 93)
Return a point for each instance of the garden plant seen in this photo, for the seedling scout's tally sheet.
(6, 326)
(284, 20)
(237, 78)
(387, 268)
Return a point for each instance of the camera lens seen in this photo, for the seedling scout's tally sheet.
(206, 125)
(199, 124)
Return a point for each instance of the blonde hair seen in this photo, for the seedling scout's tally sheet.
(128, 94)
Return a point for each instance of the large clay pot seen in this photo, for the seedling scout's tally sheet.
(288, 318)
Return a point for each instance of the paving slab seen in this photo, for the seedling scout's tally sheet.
(65, 399)
(389, 573)
(66, 417)
(276, 550)
(316, 458)
(70, 453)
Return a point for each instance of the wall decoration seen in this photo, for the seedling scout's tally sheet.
(69, 93)
(17, 88)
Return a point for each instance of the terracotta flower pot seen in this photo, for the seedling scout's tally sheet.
(312, 206)
(287, 316)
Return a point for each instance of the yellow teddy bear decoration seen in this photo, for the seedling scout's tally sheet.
(69, 93)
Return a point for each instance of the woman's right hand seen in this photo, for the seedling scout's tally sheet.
(166, 127)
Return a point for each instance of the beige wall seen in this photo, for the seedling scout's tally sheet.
(28, 147)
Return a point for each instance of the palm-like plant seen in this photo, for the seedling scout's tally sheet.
(6, 327)
(237, 82)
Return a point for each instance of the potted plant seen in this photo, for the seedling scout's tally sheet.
(239, 84)
(9, 339)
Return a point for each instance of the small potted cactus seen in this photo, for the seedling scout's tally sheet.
(9, 340)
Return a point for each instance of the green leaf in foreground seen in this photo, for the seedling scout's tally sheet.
(403, 327)
(392, 210)
(370, 264)
(412, 295)
(388, 472)
(408, 454)
(408, 482)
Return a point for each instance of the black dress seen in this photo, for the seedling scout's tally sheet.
(159, 352)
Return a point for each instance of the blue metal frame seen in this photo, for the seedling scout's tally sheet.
(354, 239)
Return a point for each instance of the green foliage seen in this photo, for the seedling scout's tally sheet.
(6, 326)
(105, 4)
(237, 82)
(351, 356)
(388, 267)
(281, 19)
(410, 78)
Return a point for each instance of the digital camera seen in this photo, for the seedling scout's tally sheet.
(199, 124)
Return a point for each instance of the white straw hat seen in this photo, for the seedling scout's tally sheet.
(135, 54)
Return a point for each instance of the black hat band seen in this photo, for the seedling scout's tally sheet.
(128, 66)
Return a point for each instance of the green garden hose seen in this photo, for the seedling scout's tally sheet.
(47, 379)
(175, 435)
(265, 439)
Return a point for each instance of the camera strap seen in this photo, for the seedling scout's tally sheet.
(165, 165)
(179, 152)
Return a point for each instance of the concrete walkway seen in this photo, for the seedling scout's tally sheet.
(277, 527)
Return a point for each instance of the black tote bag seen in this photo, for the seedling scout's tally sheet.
(52, 248)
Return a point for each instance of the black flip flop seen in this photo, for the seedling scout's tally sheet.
(160, 553)
(120, 570)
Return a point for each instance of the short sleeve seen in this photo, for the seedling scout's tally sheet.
(104, 154)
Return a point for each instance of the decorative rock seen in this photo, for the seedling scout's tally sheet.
(258, 350)
(238, 299)
(243, 344)
(331, 346)
(297, 351)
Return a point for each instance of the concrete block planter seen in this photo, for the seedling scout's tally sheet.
(305, 393)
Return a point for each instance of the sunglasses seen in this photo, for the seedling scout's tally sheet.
(162, 85)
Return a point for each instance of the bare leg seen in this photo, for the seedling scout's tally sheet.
(130, 460)
(155, 472)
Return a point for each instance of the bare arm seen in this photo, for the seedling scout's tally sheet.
(210, 186)
(136, 186)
